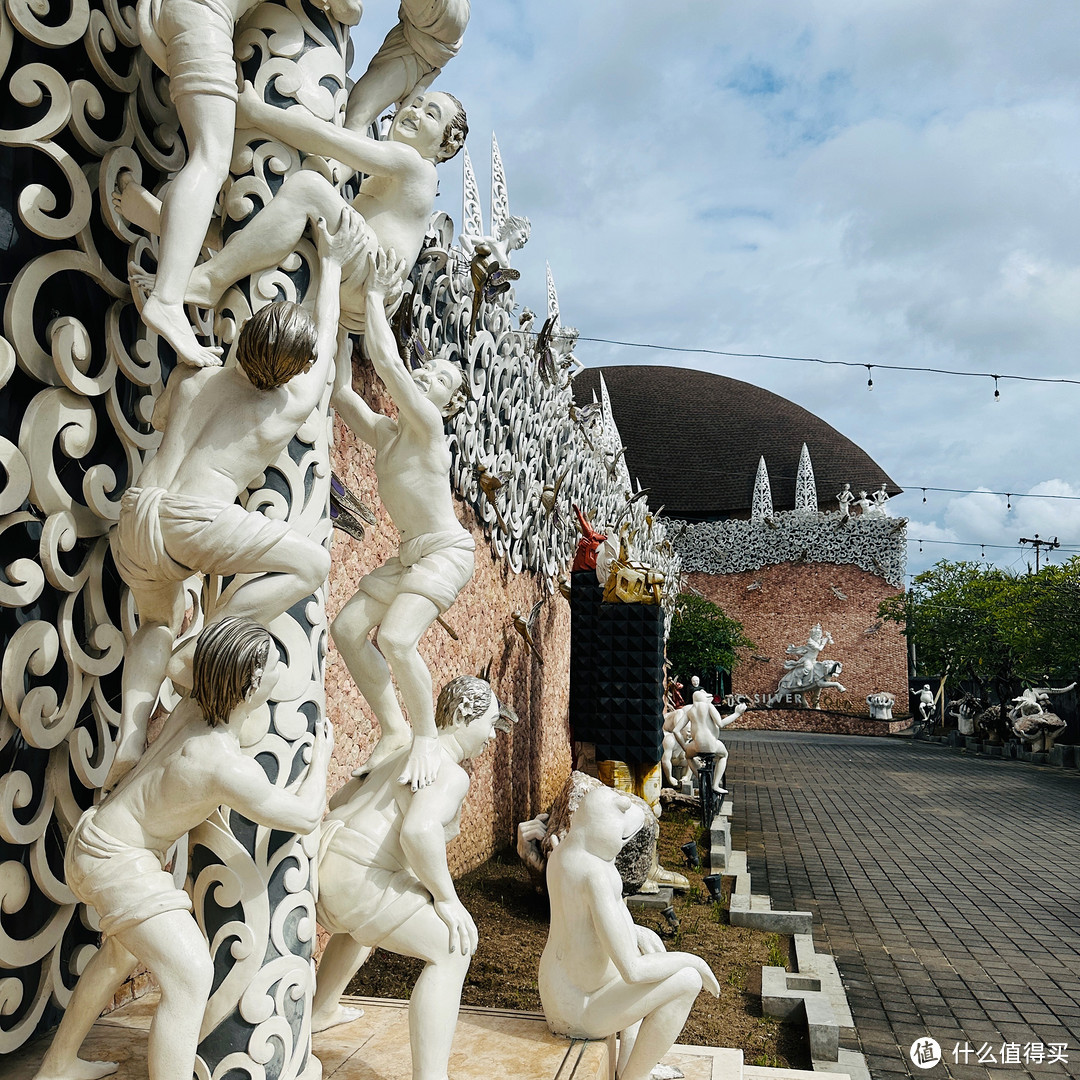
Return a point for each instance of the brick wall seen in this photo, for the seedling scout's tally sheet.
(780, 611)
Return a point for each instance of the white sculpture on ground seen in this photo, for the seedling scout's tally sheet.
(384, 881)
(1031, 719)
(675, 732)
(925, 703)
(405, 595)
(427, 37)
(115, 854)
(807, 675)
(705, 724)
(881, 705)
(600, 974)
(192, 42)
(181, 517)
(395, 200)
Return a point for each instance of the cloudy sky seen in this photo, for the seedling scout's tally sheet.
(893, 182)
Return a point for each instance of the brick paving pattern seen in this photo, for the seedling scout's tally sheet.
(947, 887)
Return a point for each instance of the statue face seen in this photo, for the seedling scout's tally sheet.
(608, 819)
(438, 381)
(422, 123)
(268, 679)
(474, 736)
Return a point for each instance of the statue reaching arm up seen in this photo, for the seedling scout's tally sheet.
(115, 855)
(405, 595)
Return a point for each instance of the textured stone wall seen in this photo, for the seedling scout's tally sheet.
(521, 774)
(778, 605)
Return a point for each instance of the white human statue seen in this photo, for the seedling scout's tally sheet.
(700, 734)
(675, 722)
(861, 504)
(192, 41)
(405, 595)
(600, 973)
(426, 38)
(880, 498)
(845, 498)
(384, 881)
(806, 674)
(115, 855)
(181, 516)
(512, 235)
(926, 703)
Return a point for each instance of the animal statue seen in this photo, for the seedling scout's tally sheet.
(1030, 718)
(822, 676)
(963, 710)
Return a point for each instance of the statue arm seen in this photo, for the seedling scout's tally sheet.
(620, 939)
(381, 347)
(423, 841)
(297, 127)
(247, 789)
(360, 418)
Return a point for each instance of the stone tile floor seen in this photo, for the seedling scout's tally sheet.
(946, 886)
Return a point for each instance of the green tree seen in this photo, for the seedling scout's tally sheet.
(703, 638)
(991, 625)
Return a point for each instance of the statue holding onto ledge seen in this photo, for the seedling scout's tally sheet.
(405, 595)
(115, 855)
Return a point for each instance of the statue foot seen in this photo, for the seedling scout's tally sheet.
(135, 204)
(386, 747)
(341, 1015)
(78, 1070)
(171, 323)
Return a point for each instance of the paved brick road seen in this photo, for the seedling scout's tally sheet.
(946, 886)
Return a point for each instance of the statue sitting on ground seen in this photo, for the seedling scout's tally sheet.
(405, 595)
(600, 973)
(221, 428)
(394, 201)
(705, 724)
(115, 854)
(384, 881)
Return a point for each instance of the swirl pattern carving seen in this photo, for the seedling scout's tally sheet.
(80, 375)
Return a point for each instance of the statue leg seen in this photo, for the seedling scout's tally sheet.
(171, 945)
(107, 969)
(208, 121)
(400, 631)
(340, 961)
(268, 238)
(661, 1008)
(351, 633)
(720, 759)
(436, 997)
(160, 614)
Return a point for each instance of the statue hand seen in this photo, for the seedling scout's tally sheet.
(459, 922)
(388, 275)
(530, 835)
(648, 941)
(423, 765)
(350, 242)
(247, 106)
(708, 979)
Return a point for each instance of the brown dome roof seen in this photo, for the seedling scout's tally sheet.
(695, 438)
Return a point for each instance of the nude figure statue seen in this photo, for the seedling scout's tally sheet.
(405, 595)
(384, 881)
(192, 42)
(395, 200)
(182, 518)
(699, 733)
(116, 852)
(600, 973)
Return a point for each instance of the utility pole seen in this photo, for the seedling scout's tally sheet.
(1036, 543)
